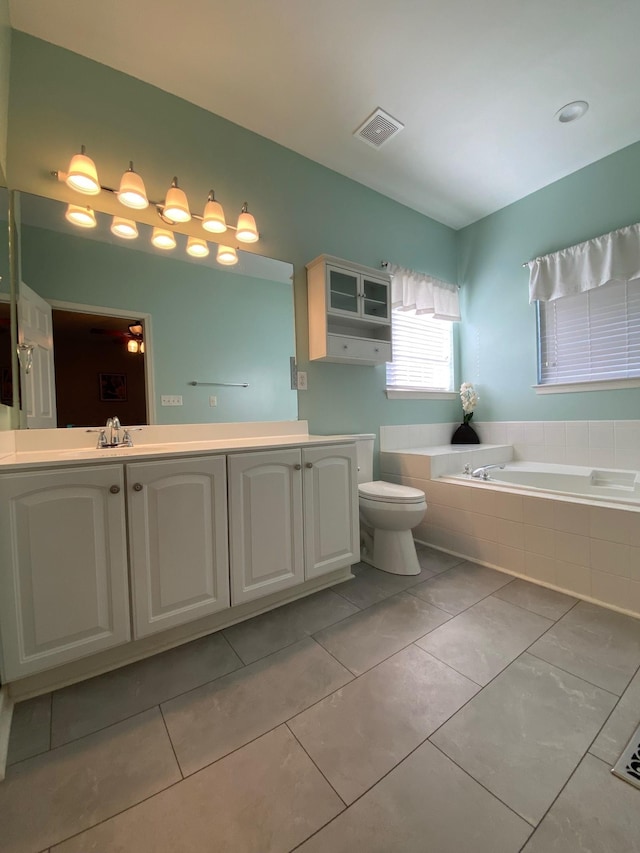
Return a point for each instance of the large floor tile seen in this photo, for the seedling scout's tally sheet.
(538, 599)
(460, 587)
(91, 705)
(596, 813)
(48, 798)
(363, 640)
(436, 561)
(265, 798)
(285, 625)
(425, 805)
(215, 719)
(372, 585)
(524, 734)
(30, 728)
(598, 645)
(622, 723)
(480, 642)
(362, 731)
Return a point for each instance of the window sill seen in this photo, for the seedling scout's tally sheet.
(601, 385)
(409, 394)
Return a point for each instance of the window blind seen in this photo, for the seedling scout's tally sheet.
(591, 336)
(422, 353)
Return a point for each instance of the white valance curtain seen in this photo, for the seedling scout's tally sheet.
(425, 294)
(611, 257)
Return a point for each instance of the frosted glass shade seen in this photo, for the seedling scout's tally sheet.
(176, 206)
(227, 255)
(132, 346)
(82, 216)
(213, 217)
(132, 192)
(125, 228)
(197, 248)
(82, 175)
(163, 239)
(246, 231)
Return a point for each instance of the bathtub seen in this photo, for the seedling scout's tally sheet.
(592, 484)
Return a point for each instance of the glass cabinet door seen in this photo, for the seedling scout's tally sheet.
(343, 291)
(375, 301)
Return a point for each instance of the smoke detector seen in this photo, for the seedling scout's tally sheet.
(378, 128)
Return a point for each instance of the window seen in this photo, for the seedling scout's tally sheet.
(590, 337)
(422, 353)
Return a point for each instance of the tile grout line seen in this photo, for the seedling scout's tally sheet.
(610, 715)
(304, 749)
(173, 749)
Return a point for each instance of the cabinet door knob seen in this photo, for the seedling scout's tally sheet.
(309, 464)
(297, 466)
(137, 487)
(114, 489)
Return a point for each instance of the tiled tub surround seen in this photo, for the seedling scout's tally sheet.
(570, 544)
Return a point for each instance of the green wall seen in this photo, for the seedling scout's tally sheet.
(499, 330)
(207, 324)
(5, 60)
(59, 100)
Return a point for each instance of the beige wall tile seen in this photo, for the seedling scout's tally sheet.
(571, 548)
(612, 589)
(539, 540)
(610, 557)
(573, 578)
(509, 506)
(615, 525)
(487, 552)
(541, 568)
(511, 559)
(538, 511)
(510, 533)
(484, 526)
(571, 518)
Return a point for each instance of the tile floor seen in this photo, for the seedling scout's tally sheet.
(456, 710)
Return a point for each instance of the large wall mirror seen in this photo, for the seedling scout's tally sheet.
(131, 327)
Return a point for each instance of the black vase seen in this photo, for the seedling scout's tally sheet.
(465, 434)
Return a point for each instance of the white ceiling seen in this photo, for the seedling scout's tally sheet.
(476, 82)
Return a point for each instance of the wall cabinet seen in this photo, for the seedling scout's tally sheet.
(293, 516)
(349, 312)
(63, 586)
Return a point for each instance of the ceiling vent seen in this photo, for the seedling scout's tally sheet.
(378, 128)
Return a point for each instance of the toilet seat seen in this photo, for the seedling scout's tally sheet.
(390, 493)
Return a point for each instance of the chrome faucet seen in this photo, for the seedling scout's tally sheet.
(482, 473)
(114, 434)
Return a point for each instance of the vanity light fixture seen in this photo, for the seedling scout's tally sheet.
(197, 248)
(162, 238)
(82, 216)
(246, 230)
(132, 192)
(132, 346)
(136, 328)
(213, 216)
(176, 206)
(125, 228)
(227, 255)
(83, 175)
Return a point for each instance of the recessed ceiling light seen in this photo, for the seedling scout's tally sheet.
(572, 111)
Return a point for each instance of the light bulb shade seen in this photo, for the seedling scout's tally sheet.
(141, 348)
(163, 239)
(227, 255)
(132, 192)
(82, 175)
(176, 206)
(246, 231)
(197, 248)
(132, 346)
(125, 228)
(82, 216)
(213, 217)
(136, 328)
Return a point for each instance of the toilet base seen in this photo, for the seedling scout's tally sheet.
(394, 551)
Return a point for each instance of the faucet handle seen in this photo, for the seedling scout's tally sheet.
(102, 437)
(466, 469)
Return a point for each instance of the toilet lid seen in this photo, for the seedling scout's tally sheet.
(390, 493)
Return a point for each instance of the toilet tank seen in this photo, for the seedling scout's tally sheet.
(364, 451)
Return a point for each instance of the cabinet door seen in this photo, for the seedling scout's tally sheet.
(265, 523)
(331, 518)
(177, 541)
(375, 299)
(343, 295)
(63, 584)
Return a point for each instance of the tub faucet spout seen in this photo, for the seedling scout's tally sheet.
(482, 473)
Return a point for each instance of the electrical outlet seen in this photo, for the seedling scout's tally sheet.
(213, 401)
(171, 400)
(302, 380)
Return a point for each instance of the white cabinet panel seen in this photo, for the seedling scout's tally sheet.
(63, 584)
(265, 514)
(331, 517)
(178, 541)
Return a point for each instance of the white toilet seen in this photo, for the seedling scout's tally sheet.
(388, 513)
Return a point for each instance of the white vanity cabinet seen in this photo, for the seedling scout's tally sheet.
(293, 516)
(177, 512)
(349, 312)
(63, 579)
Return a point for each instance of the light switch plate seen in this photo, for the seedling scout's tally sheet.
(171, 400)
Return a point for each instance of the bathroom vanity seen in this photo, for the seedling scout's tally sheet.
(109, 555)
